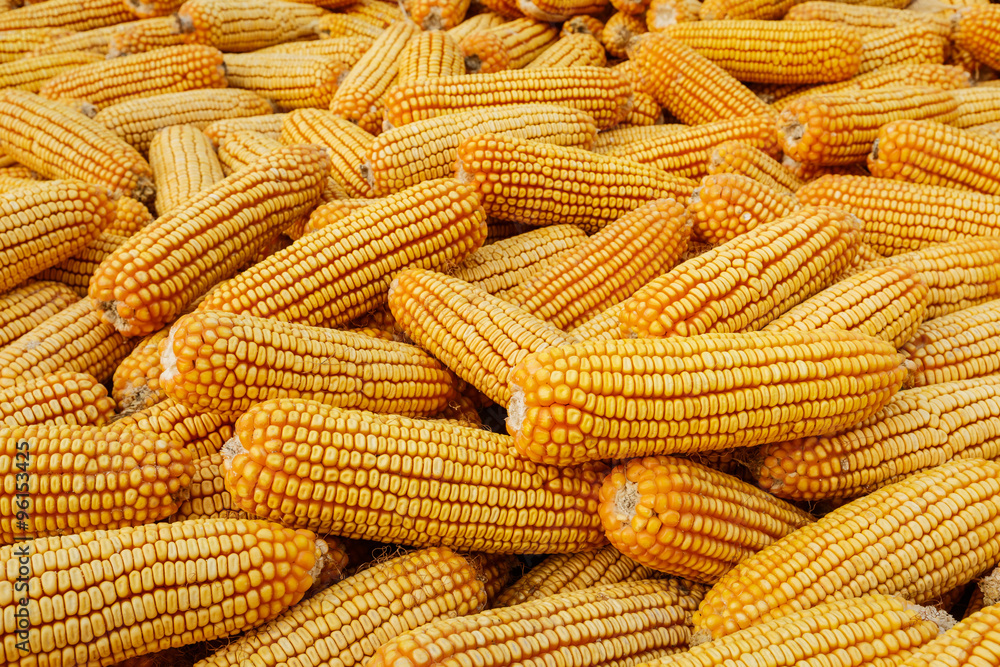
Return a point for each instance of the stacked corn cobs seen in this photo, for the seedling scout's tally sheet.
(562, 332)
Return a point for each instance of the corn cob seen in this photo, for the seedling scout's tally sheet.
(744, 159)
(645, 111)
(60, 398)
(77, 271)
(725, 206)
(201, 433)
(152, 586)
(130, 217)
(291, 81)
(679, 517)
(623, 135)
(957, 346)
(346, 143)
(662, 14)
(32, 72)
(606, 325)
(915, 43)
(344, 624)
(430, 54)
(620, 31)
(58, 143)
(247, 25)
(269, 125)
(436, 15)
(975, 603)
(378, 12)
(143, 36)
(93, 41)
(583, 25)
(331, 25)
(494, 571)
(972, 641)
(557, 11)
(333, 212)
(561, 502)
(952, 505)
(228, 223)
(136, 383)
(899, 217)
(208, 496)
(861, 17)
(147, 9)
(184, 163)
(347, 50)
(239, 149)
(70, 14)
(601, 93)
(25, 307)
(427, 149)
(483, 21)
(975, 31)
(977, 106)
(506, 8)
(931, 153)
(16, 44)
(839, 128)
(8, 183)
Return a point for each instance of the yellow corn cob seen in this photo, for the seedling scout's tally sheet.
(58, 398)
(332, 212)
(975, 603)
(201, 433)
(957, 346)
(58, 143)
(583, 25)
(495, 571)
(77, 271)
(952, 505)
(622, 135)
(572, 51)
(347, 50)
(511, 45)
(745, 159)
(691, 87)
(975, 31)
(436, 15)
(147, 9)
(184, 163)
(538, 183)
(130, 217)
(247, 25)
(507, 8)
(208, 496)
(606, 325)
(290, 80)
(344, 624)
(645, 111)
(559, 501)
(94, 41)
(8, 183)
(915, 43)
(725, 206)
(239, 149)
(269, 125)
(971, 641)
(154, 275)
(378, 12)
(16, 44)
(155, 586)
(142, 36)
(331, 25)
(680, 517)
(634, 7)
(864, 18)
(348, 267)
(25, 307)
(770, 9)
(619, 32)
(839, 128)
(427, 149)
(662, 14)
(137, 377)
(430, 54)
(32, 72)
(347, 145)
(168, 70)
(71, 14)
(601, 93)
(979, 105)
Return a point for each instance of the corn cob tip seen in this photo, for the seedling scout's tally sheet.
(626, 499)
(145, 190)
(323, 561)
(110, 312)
(939, 617)
(184, 24)
(367, 173)
(990, 588)
(699, 636)
(230, 450)
(791, 129)
(517, 408)
(168, 360)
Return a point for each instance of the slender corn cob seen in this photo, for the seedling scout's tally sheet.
(75, 399)
(583, 25)
(606, 325)
(168, 70)
(511, 45)
(725, 206)
(690, 86)
(957, 346)
(679, 517)
(201, 433)
(32, 72)
(378, 12)
(346, 143)
(136, 383)
(863, 18)
(745, 159)
(290, 80)
(347, 50)
(344, 624)
(143, 36)
(478, 336)
(247, 25)
(184, 163)
(560, 501)
(839, 128)
(953, 505)
(58, 143)
(71, 14)
(914, 43)
(430, 54)
(601, 93)
(976, 30)
(664, 13)
(332, 25)
(269, 126)
(572, 51)
(77, 271)
(94, 41)
(427, 149)
(208, 497)
(16, 44)
(348, 267)
(25, 307)
(623, 135)
(157, 586)
(899, 217)
(239, 149)
(620, 31)
(436, 15)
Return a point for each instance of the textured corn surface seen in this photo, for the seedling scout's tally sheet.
(979, 105)
(239, 149)
(77, 271)
(430, 54)
(184, 163)
(745, 283)
(597, 91)
(334, 481)
(603, 326)
(745, 159)
(343, 625)
(155, 587)
(478, 336)
(16, 44)
(290, 80)
(58, 143)
(964, 344)
(83, 478)
(136, 382)
(619, 32)
(683, 518)
(559, 10)
(862, 17)
(494, 571)
(915, 43)
(482, 21)
(511, 45)
(865, 547)
(333, 212)
(94, 41)
(427, 149)
(662, 14)
(27, 306)
(201, 433)
(334, 25)
(975, 31)
(59, 398)
(151, 278)
(899, 217)
(247, 25)
(779, 386)
(347, 145)
(130, 217)
(269, 125)
(973, 641)
(582, 25)
(884, 302)
(347, 50)
(437, 15)
(144, 9)
(575, 50)
(624, 134)
(208, 498)
(142, 36)
(30, 73)
(70, 14)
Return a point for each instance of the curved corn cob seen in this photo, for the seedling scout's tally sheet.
(688, 520)
(430, 54)
(436, 15)
(745, 159)
(246, 25)
(478, 336)
(291, 81)
(136, 382)
(143, 36)
(745, 283)
(59, 398)
(597, 91)
(900, 216)
(674, 405)
(962, 345)
(953, 507)
(208, 497)
(915, 43)
(184, 163)
(77, 271)
(559, 501)
(608, 267)
(971, 641)
(571, 51)
(620, 31)
(511, 45)
(137, 121)
(58, 143)
(538, 184)
(71, 14)
(347, 144)
(347, 50)
(130, 217)
(427, 149)
(17, 44)
(32, 72)
(25, 307)
(201, 433)
(153, 585)
(46, 223)
(268, 125)
(227, 222)
(343, 625)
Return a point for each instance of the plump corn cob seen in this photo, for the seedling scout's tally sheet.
(862, 17)
(916, 43)
(347, 50)
(333, 212)
(143, 36)
(620, 31)
(975, 31)
(743, 158)
(208, 497)
(560, 502)
(16, 44)
(228, 223)
(168, 70)
(538, 183)
(679, 517)
(25, 307)
(436, 15)
(597, 91)
(247, 25)
(840, 128)
(725, 206)
(269, 125)
(427, 149)
(239, 149)
(290, 80)
(478, 336)
(137, 121)
(71, 14)
(130, 217)
(429, 54)
(137, 378)
(899, 217)
(571, 51)
(583, 25)
(953, 507)
(156, 586)
(957, 346)
(662, 14)
(58, 143)
(979, 105)
(59, 398)
(184, 163)
(32, 72)
(346, 143)
(972, 641)
(77, 271)
(201, 433)
(334, 25)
